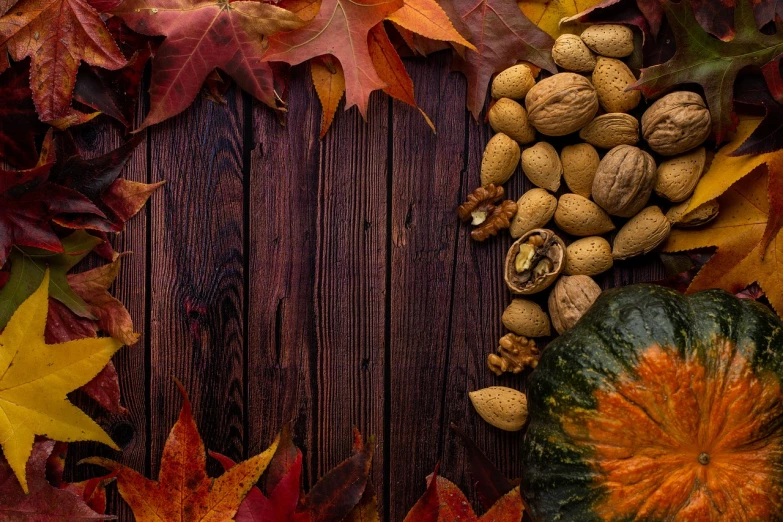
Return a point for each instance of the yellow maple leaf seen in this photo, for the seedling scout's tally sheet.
(35, 378)
(737, 233)
(547, 15)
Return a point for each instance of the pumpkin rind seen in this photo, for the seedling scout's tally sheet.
(633, 343)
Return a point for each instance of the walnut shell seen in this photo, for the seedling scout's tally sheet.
(580, 163)
(676, 123)
(697, 217)
(542, 166)
(561, 104)
(534, 210)
(642, 234)
(571, 297)
(534, 261)
(624, 181)
(610, 130)
(571, 53)
(678, 176)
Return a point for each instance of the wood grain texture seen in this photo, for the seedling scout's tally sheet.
(429, 171)
(350, 285)
(282, 187)
(196, 271)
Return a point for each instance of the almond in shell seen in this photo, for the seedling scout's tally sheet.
(578, 216)
(589, 256)
(503, 408)
(611, 78)
(542, 166)
(534, 210)
(580, 163)
(500, 159)
(697, 217)
(614, 41)
(526, 318)
(510, 118)
(678, 176)
(641, 234)
(513, 83)
(571, 53)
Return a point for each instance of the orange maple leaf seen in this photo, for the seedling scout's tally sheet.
(183, 491)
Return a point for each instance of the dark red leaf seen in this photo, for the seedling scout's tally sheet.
(19, 124)
(489, 482)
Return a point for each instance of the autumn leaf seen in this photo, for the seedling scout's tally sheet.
(367, 508)
(200, 36)
(92, 491)
(503, 36)
(444, 502)
(56, 35)
(491, 485)
(29, 266)
(710, 62)
(768, 136)
(547, 15)
(340, 29)
(183, 491)
(35, 378)
(726, 169)
(329, 83)
(737, 232)
(42, 502)
(29, 201)
(19, 124)
(647, 15)
(428, 19)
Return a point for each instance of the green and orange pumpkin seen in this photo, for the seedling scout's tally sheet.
(659, 407)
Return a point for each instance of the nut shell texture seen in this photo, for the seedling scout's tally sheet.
(678, 176)
(580, 162)
(571, 53)
(611, 78)
(513, 83)
(542, 166)
(510, 118)
(534, 210)
(610, 130)
(676, 123)
(578, 216)
(624, 181)
(503, 408)
(642, 234)
(589, 256)
(571, 297)
(561, 104)
(499, 160)
(615, 41)
(701, 215)
(526, 318)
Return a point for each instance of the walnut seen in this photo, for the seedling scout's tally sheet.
(515, 353)
(534, 261)
(485, 212)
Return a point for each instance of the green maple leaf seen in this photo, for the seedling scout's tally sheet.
(28, 266)
(712, 63)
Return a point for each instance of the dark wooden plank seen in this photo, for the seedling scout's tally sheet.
(196, 272)
(128, 431)
(426, 189)
(350, 285)
(282, 241)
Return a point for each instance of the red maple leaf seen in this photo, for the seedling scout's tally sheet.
(44, 502)
(340, 29)
(200, 36)
(57, 35)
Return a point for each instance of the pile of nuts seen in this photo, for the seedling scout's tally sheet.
(612, 167)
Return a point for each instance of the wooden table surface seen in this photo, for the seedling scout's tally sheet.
(325, 282)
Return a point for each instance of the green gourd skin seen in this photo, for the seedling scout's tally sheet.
(608, 343)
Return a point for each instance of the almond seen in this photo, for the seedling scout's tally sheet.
(615, 41)
(580, 162)
(542, 166)
(503, 408)
(611, 78)
(642, 234)
(700, 215)
(571, 297)
(513, 83)
(610, 130)
(571, 53)
(500, 160)
(589, 256)
(534, 210)
(526, 318)
(677, 177)
(578, 216)
(510, 118)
